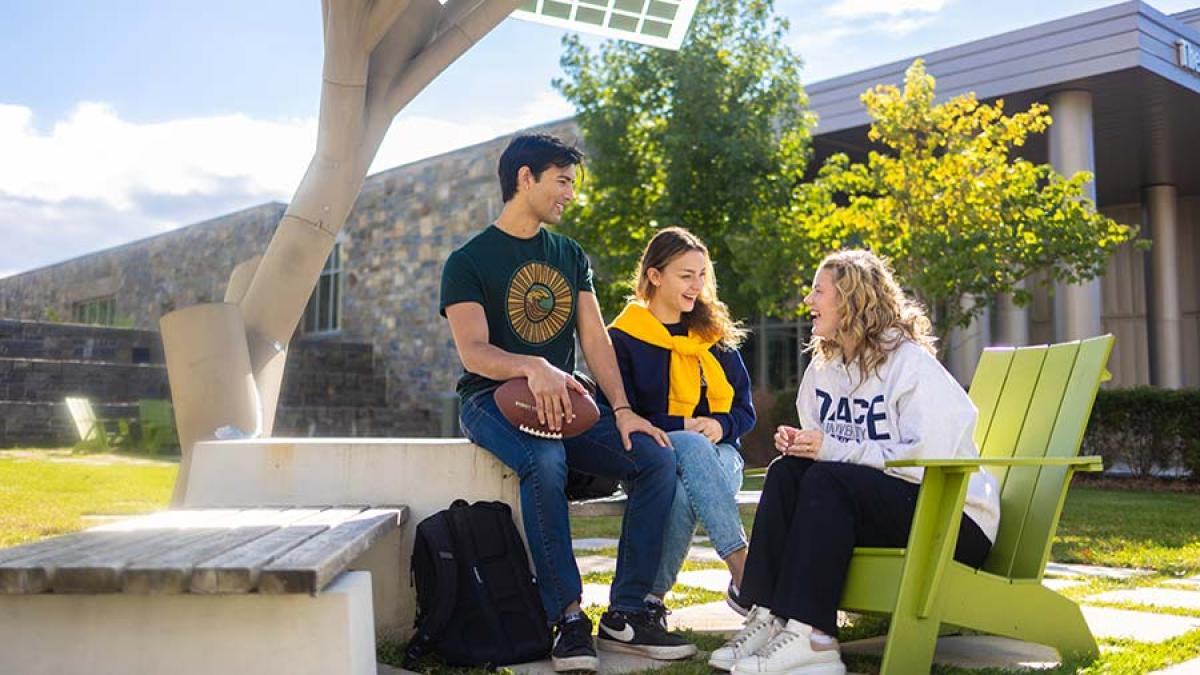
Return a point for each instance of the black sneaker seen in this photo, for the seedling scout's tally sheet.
(735, 602)
(658, 612)
(573, 649)
(639, 633)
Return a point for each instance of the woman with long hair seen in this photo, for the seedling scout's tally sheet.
(873, 393)
(677, 348)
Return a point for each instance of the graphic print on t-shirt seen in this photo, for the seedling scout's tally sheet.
(539, 302)
(848, 419)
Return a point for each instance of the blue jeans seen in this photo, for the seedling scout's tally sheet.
(709, 479)
(648, 472)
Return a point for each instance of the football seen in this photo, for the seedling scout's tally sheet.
(517, 404)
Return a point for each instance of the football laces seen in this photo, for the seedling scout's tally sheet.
(541, 434)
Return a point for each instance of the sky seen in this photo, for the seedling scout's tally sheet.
(123, 119)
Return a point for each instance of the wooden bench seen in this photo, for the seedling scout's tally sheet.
(162, 590)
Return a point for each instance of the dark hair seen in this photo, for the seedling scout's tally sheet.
(710, 317)
(536, 151)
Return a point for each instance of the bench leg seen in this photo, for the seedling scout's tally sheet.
(331, 633)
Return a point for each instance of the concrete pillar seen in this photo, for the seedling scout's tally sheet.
(208, 368)
(803, 330)
(1012, 322)
(1165, 308)
(966, 344)
(763, 366)
(1076, 306)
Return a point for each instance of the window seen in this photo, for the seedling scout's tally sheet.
(324, 311)
(102, 311)
(772, 353)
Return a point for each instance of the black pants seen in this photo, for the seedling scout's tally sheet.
(810, 518)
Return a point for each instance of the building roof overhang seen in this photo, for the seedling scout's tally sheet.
(1146, 106)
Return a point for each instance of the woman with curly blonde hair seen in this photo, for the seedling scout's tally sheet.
(873, 393)
(676, 346)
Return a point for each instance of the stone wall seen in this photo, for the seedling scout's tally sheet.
(404, 224)
(146, 278)
(330, 388)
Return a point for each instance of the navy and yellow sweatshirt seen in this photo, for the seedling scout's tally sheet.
(645, 370)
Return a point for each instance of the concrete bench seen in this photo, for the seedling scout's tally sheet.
(250, 590)
(747, 501)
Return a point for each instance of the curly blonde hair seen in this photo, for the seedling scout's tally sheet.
(875, 316)
(710, 317)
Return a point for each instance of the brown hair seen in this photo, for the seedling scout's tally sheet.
(710, 317)
(875, 316)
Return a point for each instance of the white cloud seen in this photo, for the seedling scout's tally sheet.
(96, 180)
(855, 9)
(94, 155)
(824, 45)
(412, 138)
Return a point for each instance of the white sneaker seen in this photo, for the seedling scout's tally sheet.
(790, 652)
(759, 629)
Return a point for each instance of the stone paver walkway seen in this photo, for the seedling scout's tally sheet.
(1142, 623)
(983, 651)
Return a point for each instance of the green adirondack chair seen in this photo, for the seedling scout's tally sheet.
(157, 425)
(1034, 404)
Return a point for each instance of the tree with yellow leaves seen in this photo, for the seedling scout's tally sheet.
(944, 196)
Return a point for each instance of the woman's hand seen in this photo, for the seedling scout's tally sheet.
(709, 427)
(795, 442)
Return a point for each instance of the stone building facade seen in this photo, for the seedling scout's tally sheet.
(405, 223)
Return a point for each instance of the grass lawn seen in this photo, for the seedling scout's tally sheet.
(45, 493)
(1152, 530)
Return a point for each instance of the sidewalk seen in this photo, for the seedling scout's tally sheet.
(1140, 613)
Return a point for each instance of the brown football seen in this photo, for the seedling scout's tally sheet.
(517, 404)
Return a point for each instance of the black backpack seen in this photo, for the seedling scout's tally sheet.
(477, 601)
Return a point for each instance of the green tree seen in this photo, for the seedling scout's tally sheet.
(713, 137)
(944, 197)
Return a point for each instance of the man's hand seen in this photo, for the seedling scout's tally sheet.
(709, 427)
(549, 386)
(629, 422)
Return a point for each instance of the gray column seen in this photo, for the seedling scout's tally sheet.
(966, 344)
(1165, 309)
(762, 365)
(1012, 322)
(803, 326)
(1076, 306)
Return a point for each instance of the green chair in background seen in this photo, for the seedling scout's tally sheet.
(95, 433)
(157, 420)
(1034, 404)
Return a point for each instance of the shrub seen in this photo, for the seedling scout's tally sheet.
(1146, 428)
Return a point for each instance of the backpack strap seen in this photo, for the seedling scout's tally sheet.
(437, 532)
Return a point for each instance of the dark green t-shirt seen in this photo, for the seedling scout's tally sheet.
(529, 289)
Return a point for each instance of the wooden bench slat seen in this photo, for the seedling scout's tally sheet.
(31, 571)
(71, 542)
(171, 571)
(148, 576)
(99, 571)
(237, 570)
(313, 564)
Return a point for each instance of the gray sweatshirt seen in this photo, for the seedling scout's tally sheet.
(911, 408)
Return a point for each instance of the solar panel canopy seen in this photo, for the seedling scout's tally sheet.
(659, 23)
